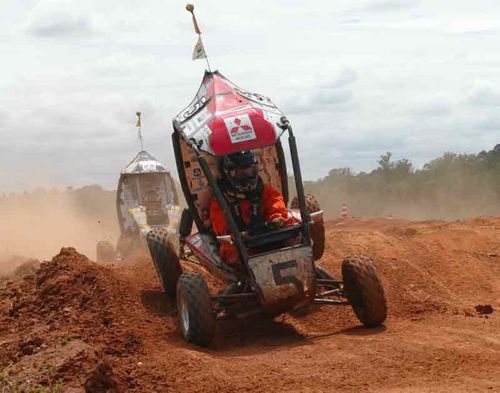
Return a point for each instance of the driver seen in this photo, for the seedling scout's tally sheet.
(152, 201)
(252, 203)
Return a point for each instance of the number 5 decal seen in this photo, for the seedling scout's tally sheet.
(279, 279)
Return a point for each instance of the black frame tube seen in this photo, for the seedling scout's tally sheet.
(182, 176)
(233, 228)
(298, 181)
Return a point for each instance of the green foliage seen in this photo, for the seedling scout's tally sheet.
(385, 163)
(16, 386)
(63, 341)
(36, 389)
(56, 387)
(449, 187)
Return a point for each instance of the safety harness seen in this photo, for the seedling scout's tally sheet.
(234, 200)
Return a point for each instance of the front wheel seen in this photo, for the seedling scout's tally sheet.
(195, 309)
(363, 288)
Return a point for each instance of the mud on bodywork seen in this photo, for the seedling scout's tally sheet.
(285, 278)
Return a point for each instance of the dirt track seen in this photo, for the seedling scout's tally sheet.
(72, 315)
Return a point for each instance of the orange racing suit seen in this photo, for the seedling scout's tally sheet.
(273, 206)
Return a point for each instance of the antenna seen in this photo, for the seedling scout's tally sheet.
(199, 49)
(139, 125)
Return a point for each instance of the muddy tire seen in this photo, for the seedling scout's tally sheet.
(363, 288)
(165, 260)
(105, 252)
(194, 308)
(317, 230)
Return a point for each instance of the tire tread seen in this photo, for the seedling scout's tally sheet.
(201, 319)
(317, 229)
(364, 290)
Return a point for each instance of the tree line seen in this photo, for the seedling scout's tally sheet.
(453, 186)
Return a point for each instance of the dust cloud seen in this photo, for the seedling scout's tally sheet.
(451, 187)
(38, 224)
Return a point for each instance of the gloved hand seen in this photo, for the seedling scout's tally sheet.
(278, 222)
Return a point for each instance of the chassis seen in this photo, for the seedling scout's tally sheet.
(277, 271)
(146, 198)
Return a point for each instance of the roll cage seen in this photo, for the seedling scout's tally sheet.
(178, 138)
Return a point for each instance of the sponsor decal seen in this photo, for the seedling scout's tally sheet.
(240, 128)
(196, 172)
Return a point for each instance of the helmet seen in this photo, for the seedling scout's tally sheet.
(240, 170)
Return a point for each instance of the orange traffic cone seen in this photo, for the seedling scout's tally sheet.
(344, 214)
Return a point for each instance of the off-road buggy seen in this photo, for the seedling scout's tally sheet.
(277, 271)
(146, 198)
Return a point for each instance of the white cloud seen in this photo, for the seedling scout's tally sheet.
(484, 95)
(327, 93)
(433, 107)
(491, 122)
(59, 19)
(389, 5)
(356, 79)
(346, 76)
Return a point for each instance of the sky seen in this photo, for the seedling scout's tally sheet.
(355, 78)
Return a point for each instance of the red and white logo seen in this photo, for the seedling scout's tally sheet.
(240, 128)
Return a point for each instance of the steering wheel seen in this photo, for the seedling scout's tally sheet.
(266, 226)
(257, 230)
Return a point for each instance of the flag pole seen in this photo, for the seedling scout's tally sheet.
(190, 8)
(206, 57)
(139, 124)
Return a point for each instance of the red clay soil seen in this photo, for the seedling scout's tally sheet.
(77, 326)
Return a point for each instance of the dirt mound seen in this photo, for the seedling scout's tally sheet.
(75, 324)
(70, 310)
(102, 379)
(428, 267)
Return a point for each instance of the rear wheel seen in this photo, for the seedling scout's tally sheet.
(186, 223)
(165, 260)
(363, 288)
(317, 230)
(105, 251)
(195, 309)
